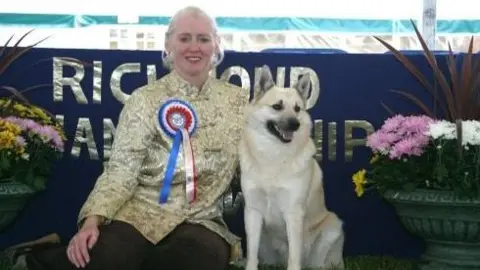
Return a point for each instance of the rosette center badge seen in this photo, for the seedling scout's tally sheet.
(177, 120)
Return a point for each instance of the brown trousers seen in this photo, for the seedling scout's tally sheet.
(121, 247)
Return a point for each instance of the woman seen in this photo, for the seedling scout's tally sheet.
(122, 224)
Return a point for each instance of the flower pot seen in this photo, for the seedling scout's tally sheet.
(449, 225)
(13, 197)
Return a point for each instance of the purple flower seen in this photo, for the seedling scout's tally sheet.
(47, 133)
(50, 134)
(20, 141)
(393, 123)
(401, 136)
(408, 146)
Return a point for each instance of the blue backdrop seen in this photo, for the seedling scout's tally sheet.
(352, 87)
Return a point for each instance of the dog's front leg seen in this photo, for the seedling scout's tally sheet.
(294, 222)
(253, 228)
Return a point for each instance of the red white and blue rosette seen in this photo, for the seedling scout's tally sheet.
(178, 120)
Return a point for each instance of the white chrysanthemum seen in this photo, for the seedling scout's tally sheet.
(442, 129)
(447, 130)
(471, 132)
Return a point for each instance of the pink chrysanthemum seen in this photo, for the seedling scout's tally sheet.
(47, 133)
(401, 136)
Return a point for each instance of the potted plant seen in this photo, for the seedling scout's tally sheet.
(428, 166)
(31, 140)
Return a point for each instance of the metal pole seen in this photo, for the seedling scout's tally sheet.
(429, 22)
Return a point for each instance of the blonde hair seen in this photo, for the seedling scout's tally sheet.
(194, 12)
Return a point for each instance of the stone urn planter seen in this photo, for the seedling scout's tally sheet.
(13, 197)
(449, 225)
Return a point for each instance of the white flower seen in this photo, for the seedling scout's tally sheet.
(470, 132)
(447, 130)
(442, 129)
(384, 151)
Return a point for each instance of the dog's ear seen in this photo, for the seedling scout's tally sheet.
(266, 79)
(303, 86)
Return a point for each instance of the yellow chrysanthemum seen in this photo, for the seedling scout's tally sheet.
(359, 180)
(20, 108)
(8, 136)
(40, 113)
(27, 111)
(7, 139)
(8, 126)
(31, 112)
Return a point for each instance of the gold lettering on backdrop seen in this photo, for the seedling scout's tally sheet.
(61, 119)
(84, 135)
(239, 71)
(97, 82)
(350, 142)
(108, 136)
(318, 138)
(332, 141)
(151, 73)
(295, 73)
(117, 92)
(59, 81)
(116, 78)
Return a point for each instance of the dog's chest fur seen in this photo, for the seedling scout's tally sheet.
(275, 185)
(275, 199)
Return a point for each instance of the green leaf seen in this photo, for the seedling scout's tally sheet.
(4, 161)
(39, 183)
(411, 186)
(441, 173)
(29, 177)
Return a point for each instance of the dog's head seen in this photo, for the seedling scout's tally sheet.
(280, 112)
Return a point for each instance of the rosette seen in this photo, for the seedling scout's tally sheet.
(178, 120)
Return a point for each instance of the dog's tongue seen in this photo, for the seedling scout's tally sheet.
(287, 135)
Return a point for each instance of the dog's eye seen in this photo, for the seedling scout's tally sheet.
(277, 107)
(296, 108)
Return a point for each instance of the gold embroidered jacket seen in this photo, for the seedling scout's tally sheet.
(129, 187)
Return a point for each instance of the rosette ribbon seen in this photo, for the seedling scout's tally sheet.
(178, 120)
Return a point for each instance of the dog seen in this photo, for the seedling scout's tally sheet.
(286, 220)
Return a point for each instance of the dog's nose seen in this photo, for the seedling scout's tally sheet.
(293, 124)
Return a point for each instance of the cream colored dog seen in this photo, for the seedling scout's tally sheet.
(286, 220)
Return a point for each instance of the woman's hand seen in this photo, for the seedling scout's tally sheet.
(83, 241)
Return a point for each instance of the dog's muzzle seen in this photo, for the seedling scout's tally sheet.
(284, 129)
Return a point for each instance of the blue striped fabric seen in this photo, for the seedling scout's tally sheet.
(247, 23)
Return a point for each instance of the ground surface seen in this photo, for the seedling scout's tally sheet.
(354, 263)
(363, 263)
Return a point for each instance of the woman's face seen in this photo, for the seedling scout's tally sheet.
(192, 45)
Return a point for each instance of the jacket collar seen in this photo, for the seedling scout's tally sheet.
(188, 89)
